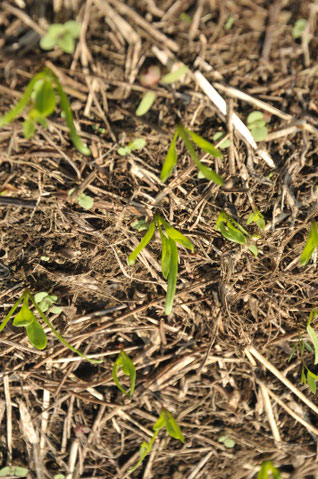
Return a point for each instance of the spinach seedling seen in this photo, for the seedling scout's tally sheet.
(85, 201)
(167, 421)
(268, 470)
(61, 35)
(256, 124)
(41, 93)
(169, 257)
(137, 144)
(218, 136)
(46, 301)
(125, 363)
(307, 376)
(13, 471)
(257, 218)
(311, 244)
(152, 78)
(171, 158)
(27, 319)
(233, 231)
(299, 28)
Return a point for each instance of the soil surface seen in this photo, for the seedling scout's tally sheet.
(219, 361)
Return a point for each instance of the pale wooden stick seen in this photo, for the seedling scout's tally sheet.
(7, 395)
(269, 412)
(282, 378)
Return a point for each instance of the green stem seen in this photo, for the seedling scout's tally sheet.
(10, 313)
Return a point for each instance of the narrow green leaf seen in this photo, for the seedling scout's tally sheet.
(176, 235)
(312, 315)
(303, 379)
(171, 425)
(146, 103)
(292, 353)
(311, 382)
(125, 363)
(11, 312)
(308, 347)
(314, 338)
(143, 243)
(204, 144)
(160, 423)
(45, 100)
(172, 277)
(253, 248)
(170, 160)
(174, 76)
(166, 254)
(231, 233)
(28, 128)
(311, 244)
(36, 334)
(207, 172)
(25, 317)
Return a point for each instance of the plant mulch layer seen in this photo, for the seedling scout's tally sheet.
(219, 361)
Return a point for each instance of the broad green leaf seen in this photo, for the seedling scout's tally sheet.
(74, 28)
(146, 103)
(314, 338)
(28, 128)
(254, 116)
(13, 471)
(298, 28)
(174, 76)
(207, 172)
(204, 144)
(311, 382)
(66, 42)
(49, 40)
(160, 423)
(231, 233)
(228, 442)
(40, 296)
(311, 244)
(176, 235)
(139, 225)
(218, 136)
(172, 277)
(166, 253)
(170, 160)
(36, 335)
(85, 201)
(25, 316)
(266, 468)
(125, 363)
(45, 99)
(143, 243)
(253, 248)
(124, 150)
(137, 144)
(171, 425)
(259, 133)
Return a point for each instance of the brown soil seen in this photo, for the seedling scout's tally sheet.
(196, 362)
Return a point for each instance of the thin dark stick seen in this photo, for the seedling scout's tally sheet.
(7, 201)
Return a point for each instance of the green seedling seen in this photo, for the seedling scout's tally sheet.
(13, 471)
(152, 78)
(46, 301)
(139, 225)
(171, 158)
(299, 28)
(85, 201)
(229, 23)
(125, 363)
(137, 144)
(256, 124)
(227, 441)
(233, 231)
(61, 35)
(27, 319)
(307, 376)
(218, 136)
(268, 470)
(169, 257)
(167, 421)
(257, 218)
(41, 94)
(311, 244)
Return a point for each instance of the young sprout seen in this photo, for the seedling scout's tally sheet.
(137, 144)
(167, 421)
(233, 231)
(61, 35)
(311, 244)
(169, 257)
(152, 78)
(268, 470)
(85, 201)
(256, 124)
(41, 94)
(171, 158)
(125, 363)
(218, 136)
(299, 28)
(257, 218)
(27, 319)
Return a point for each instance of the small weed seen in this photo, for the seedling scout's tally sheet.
(227, 441)
(61, 35)
(27, 319)
(268, 470)
(218, 136)
(41, 95)
(256, 124)
(152, 78)
(171, 158)
(307, 376)
(85, 201)
(169, 258)
(257, 218)
(299, 28)
(167, 421)
(46, 301)
(13, 471)
(311, 244)
(229, 23)
(125, 363)
(137, 144)
(233, 231)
